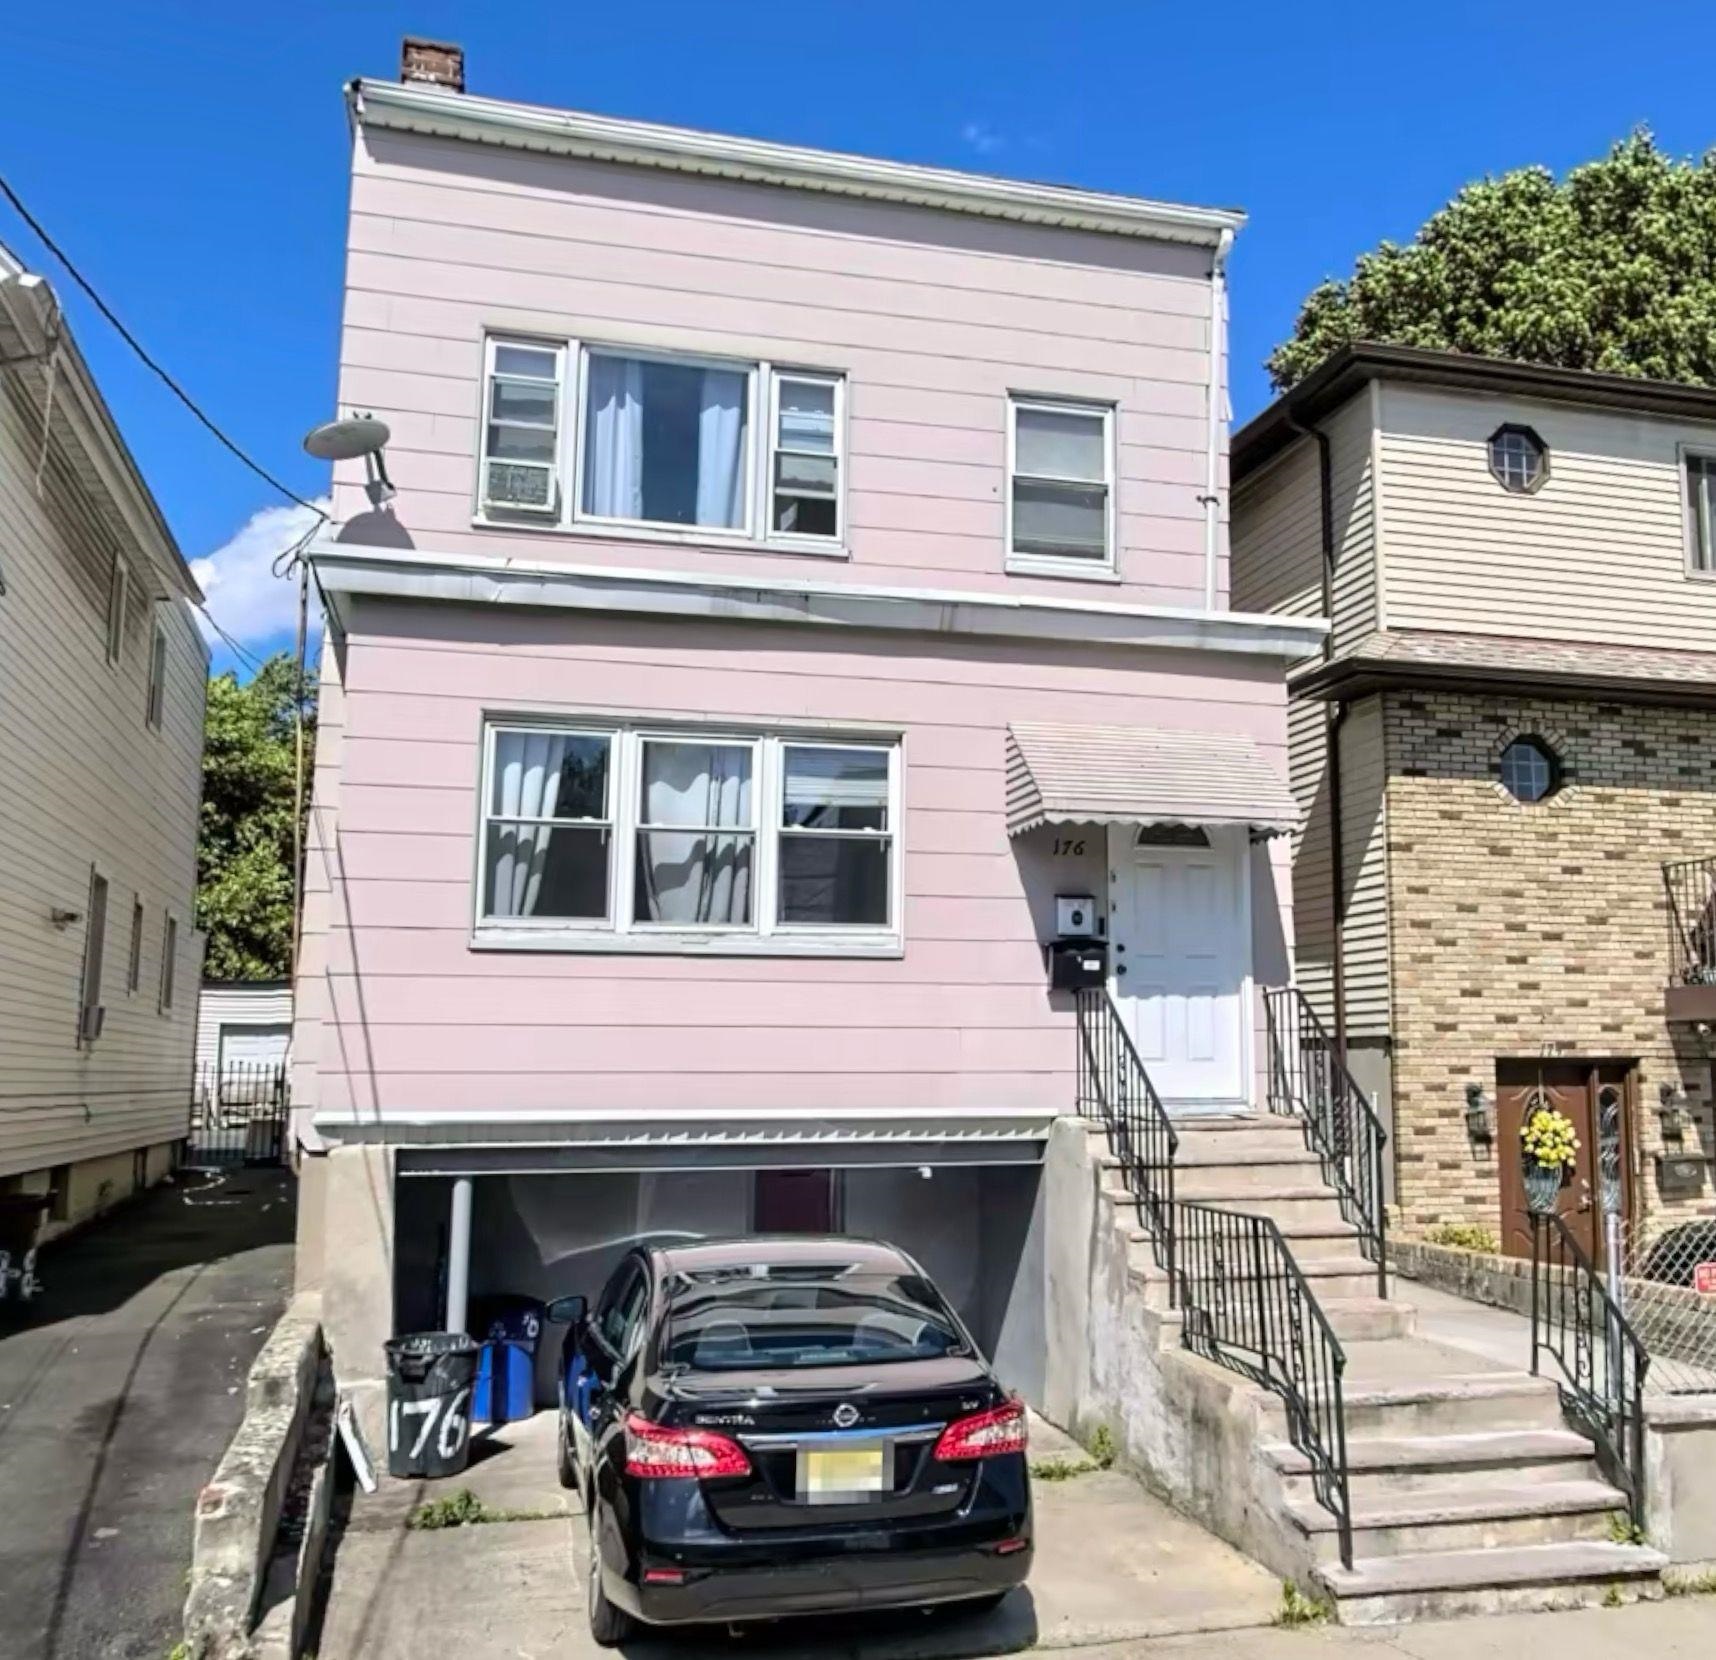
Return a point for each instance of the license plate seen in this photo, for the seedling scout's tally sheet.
(841, 1475)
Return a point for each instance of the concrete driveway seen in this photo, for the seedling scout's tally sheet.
(118, 1393)
(1113, 1564)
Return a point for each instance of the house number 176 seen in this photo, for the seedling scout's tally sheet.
(1069, 847)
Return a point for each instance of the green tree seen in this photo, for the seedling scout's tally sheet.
(1611, 268)
(244, 845)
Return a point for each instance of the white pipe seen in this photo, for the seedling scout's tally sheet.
(459, 1255)
(1212, 477)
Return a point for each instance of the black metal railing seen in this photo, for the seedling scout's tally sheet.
(1691, 885)
(1244, 1302)
(238, 1115)
(1578, 1325)
(1114, 1088)
(1308, 1079)
(1249, 1308)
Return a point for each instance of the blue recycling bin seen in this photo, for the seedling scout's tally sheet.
(509, 1328)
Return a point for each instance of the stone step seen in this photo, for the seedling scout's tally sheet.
(1219, 1177)
(1209, 1137)
(1324, 1237)
(1392, 1465)
(1460, 1518)
(1450, 1406)
(1391, 1589)
(1347, 1277)
(1292, 1205)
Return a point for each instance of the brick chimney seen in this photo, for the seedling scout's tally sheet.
(432, 63)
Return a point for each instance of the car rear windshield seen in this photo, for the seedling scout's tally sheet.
(763, 1317)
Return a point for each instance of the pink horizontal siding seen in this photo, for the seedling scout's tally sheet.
(934, 317)
(414, 1019)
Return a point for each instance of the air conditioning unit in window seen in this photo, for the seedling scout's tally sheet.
(90, 1026)
(519, 486)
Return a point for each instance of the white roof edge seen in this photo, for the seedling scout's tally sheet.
(447, 114)
(121, 477)
(473, 578)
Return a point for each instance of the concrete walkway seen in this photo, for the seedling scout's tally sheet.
(1113, 1563)
(118, 1393)
(1682, 1628)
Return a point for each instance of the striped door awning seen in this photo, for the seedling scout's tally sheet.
(1140, 775)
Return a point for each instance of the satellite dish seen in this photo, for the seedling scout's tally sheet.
(346, 440)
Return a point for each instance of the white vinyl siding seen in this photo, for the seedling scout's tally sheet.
(1278, 536)
(1602, 552)
(1352, 493)
(82, 790)
(223, 1010)
(677, 838)
(1364, 869)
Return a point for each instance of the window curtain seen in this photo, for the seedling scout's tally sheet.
(527, 785)
(613, 461)
(697, 876)
(720, 447)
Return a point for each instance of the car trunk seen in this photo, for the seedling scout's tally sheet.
(834, 1446)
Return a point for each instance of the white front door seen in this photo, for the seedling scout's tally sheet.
(1181, 937)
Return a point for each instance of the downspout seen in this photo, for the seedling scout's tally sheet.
(1331, 732)
(1211, 497)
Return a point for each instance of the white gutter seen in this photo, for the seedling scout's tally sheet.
(1212, 476)
(484, 579)
(440, 113)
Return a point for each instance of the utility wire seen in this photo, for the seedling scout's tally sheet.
(137, 346)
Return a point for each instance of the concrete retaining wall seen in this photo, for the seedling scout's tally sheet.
(1190, 1428)
(238, 1512)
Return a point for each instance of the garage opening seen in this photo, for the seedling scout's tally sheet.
(548, 1234)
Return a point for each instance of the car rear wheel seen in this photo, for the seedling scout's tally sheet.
(609, 1625)
(566, 1465)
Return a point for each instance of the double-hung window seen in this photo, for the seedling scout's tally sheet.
(635, 442)
(645, 838)
(521, 429)
(1701, 513)
(157, 703)
(1060, 486)
(118, 591)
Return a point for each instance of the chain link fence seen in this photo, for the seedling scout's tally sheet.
(1659, 1291)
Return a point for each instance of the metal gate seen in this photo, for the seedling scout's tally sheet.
(238, 1115)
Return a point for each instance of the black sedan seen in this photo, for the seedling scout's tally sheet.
(775, 1426)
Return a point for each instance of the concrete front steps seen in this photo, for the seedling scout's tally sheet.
(1469, 1490)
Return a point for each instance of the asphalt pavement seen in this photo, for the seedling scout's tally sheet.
(118, 1393)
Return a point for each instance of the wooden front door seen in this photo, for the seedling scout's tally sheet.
(1595, 1095)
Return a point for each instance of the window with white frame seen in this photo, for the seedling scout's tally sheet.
(662, 442)
(521, 429)
(1060, 483)
(117, 589)
(804, 465)
(640, 832)
(169, 962)
(156, 705)
(1701, 512)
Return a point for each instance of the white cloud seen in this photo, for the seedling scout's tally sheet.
(982, 137)
(239, 586)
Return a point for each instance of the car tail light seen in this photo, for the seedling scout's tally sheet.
(984, 1434)
(693, 1454)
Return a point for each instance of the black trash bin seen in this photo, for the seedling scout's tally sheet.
(429, 1377)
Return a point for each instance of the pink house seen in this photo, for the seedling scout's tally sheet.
(803, 603)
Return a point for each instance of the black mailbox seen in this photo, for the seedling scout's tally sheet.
(1679, 1177)
(1075, 964)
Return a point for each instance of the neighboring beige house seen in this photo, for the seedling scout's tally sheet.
(1506, 755)
(102, 676)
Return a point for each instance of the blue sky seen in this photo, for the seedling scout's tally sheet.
(193, 157)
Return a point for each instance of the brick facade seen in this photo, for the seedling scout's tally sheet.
(1519, 931)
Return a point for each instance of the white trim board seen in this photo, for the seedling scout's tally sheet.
(440, 113)
(484, 579)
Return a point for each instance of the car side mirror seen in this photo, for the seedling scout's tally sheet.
(569, 1311)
